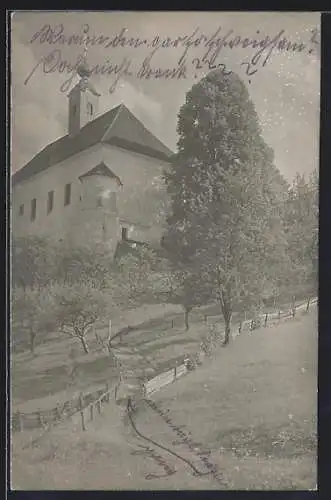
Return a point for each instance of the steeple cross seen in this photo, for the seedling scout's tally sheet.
(85, 48)
(83, 69)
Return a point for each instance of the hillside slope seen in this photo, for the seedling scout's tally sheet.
(253, 407)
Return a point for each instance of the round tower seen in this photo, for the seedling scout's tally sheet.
(96, 220)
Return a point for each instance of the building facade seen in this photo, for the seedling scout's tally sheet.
(103, 181)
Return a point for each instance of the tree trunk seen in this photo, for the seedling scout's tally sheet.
(84, 344)
(227, 319)
(227, 313)
(187, 311)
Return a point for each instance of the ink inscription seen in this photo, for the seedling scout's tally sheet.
(206, 52)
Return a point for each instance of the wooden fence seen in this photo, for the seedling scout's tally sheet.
(164, 379)
(248, 325)
(87, 406)
(87, 412)
(270, 318)
(48, 418)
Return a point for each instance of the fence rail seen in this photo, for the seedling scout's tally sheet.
(164, 379)
(87, 406)
(48, 418)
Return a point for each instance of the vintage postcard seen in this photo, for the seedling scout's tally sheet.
(164, 237)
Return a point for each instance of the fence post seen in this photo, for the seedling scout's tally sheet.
(172, 323)
(279, 314)
(240, 327)
(99, 406)
(81, 406)
(266, 319)
(252, 324)
(91, 412)
(308, 304)
(107, 391)
(205, 318)
(175, 373)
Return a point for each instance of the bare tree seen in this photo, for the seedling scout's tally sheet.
(78, 308)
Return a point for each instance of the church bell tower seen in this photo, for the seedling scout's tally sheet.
(83, 100)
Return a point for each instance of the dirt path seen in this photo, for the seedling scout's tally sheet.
(253, 407)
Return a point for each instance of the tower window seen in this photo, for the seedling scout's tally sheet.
(67, 194)
(50, 202)
(124, 233)
(21, 210)
(33, 209)
(90, 108)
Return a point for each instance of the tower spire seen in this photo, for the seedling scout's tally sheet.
(83, 98)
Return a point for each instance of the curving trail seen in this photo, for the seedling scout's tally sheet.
(252, 409)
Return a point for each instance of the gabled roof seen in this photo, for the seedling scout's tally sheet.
(118, 127)
(101, 169)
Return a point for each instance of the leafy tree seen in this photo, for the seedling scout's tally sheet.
(37, 262)
(84, 264)
(301, 223)
(31, 313)
(180, 284)
(33, 261)
(227, 196)
(135, 277)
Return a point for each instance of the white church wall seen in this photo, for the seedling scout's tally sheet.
(138, 200)
(56, 223)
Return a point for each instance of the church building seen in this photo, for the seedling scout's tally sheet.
(102, 182)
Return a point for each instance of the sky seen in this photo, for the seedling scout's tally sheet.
(285, 90)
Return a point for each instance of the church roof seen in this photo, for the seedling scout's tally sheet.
(101, 169)
(118, 127)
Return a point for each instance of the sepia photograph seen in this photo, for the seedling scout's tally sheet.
(164, 250)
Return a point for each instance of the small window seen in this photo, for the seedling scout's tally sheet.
(67, 194)
(89, 108)
(124, 233)
(21, 210)
(33, 209)
(74, 109)
(50, 202)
